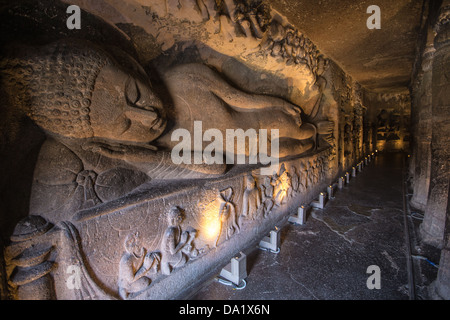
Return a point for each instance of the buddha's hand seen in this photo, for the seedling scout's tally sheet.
(131, 153)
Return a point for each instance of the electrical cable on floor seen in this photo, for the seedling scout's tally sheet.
(269, 250)
(416, 215)
(426, 259)
(229, 283)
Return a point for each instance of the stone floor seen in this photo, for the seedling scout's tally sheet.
(328, 257)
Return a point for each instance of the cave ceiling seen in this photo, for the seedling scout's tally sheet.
(381, 60)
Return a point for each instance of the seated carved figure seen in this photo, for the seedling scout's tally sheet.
(100, 115)
(135, 266)
(176, 244)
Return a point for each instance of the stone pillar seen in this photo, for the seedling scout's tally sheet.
(442, 283)
(432, 228)
(440, 148)
(422, 128)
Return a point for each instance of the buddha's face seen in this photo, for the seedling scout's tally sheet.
(124, 107)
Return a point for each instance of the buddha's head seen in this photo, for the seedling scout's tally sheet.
(78, 90)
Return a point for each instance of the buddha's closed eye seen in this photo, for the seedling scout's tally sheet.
(137, 96)
(132, 92)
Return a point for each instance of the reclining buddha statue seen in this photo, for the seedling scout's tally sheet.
(108, 132)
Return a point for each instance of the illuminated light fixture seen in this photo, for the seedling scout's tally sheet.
(321, 203)
(272, 242)
(330, 191)
(235, 272)
(341, 182)
(354, 171)
(366, 161)
(212, 229)
(300, 217)
(210, 222)
(347, 177)
(360, 167)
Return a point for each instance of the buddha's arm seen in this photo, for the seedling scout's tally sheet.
(208, 80)
(156, 164)
(246, 102)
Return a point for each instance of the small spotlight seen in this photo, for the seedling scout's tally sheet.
(341, 182)
(272, 242)
(321, 203)
(236, 271)
(300, 217)
(330, 191)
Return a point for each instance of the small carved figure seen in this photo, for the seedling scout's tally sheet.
(134, 267)
(283, 187)
(296, 48)
(276, 49)
(295, 179)
(303, 185)
(267, 195)
(86, 179)
(176, 244)
(252, 199)
(315, 169)
(227, 215)
(288, 44)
